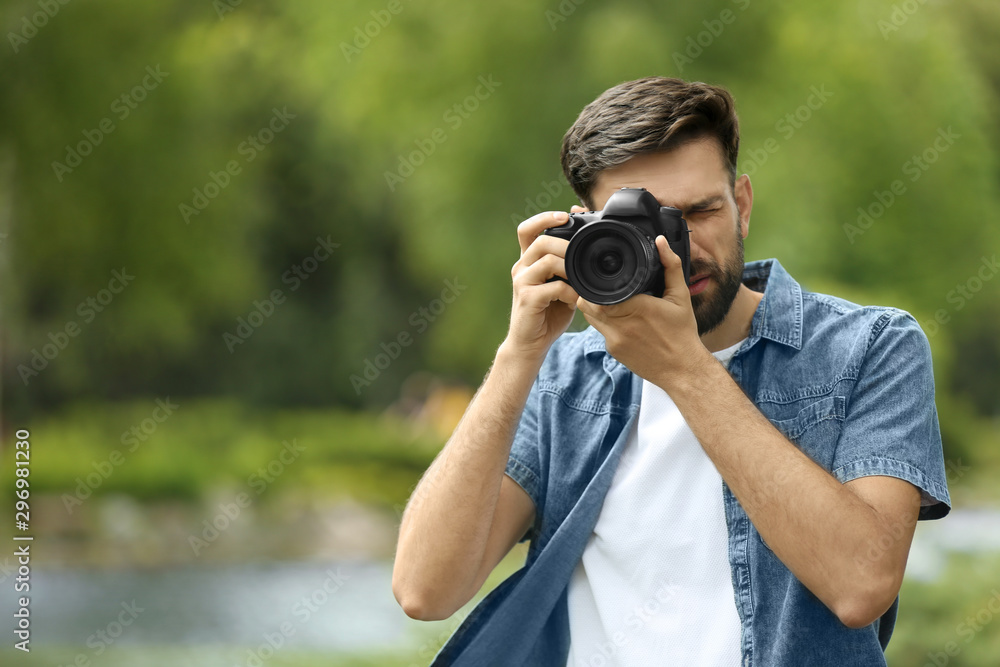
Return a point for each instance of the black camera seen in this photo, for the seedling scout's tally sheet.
(612, 253)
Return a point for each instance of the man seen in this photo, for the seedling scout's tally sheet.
(727, 475)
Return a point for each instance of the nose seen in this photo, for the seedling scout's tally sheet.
(696, 251)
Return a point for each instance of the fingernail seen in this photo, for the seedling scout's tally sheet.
(561, 216)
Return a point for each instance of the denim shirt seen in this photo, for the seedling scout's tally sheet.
(851, 386)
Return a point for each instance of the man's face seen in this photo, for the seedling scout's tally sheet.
(693, 178)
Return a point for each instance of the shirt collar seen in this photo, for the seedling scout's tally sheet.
(778, 316)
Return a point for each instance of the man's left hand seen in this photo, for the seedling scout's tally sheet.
(655, 338)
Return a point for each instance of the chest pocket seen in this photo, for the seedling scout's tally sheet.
(814, 426)
(810, 415)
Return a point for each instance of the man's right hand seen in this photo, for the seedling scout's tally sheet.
(466, 513)
(541, 310)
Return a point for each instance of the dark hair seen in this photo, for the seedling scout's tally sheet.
(643, 116)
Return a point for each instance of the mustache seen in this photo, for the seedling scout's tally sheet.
(711, 267)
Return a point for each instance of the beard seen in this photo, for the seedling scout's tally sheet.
(712, 306)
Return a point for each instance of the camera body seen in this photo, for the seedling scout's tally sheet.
(612, 253)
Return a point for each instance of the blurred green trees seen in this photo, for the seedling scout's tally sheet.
(413, 137)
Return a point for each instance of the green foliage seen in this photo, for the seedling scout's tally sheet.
(939, 620)
(376, 158)
(392, 155)
(209, 445)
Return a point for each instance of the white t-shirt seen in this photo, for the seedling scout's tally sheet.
(654, 584)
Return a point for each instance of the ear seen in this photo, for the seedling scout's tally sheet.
(743, 193)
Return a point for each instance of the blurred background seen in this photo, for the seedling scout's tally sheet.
(255, 259)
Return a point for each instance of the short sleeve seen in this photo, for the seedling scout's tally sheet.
(891, 422)
(524, 462)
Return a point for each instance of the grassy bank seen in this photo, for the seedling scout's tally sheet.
(206, 445)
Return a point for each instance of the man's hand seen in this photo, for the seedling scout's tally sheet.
(654, 337)
(541, 310)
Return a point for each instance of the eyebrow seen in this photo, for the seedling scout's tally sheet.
(703, 204)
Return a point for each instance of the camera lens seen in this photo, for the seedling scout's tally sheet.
(608, 262)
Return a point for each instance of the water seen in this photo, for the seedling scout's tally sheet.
(334, 607)
(340, 607)
(973, 531)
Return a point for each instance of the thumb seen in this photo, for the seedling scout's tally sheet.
(673, 272)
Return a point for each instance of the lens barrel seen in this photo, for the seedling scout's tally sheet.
(609, 262)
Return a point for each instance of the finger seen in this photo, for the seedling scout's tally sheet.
(591, 310)
(541, 246)
(593, 313)
(537, 273)
(576, 208)
(557, 290)
(673, 271)
(529, 230)
(608, 312)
